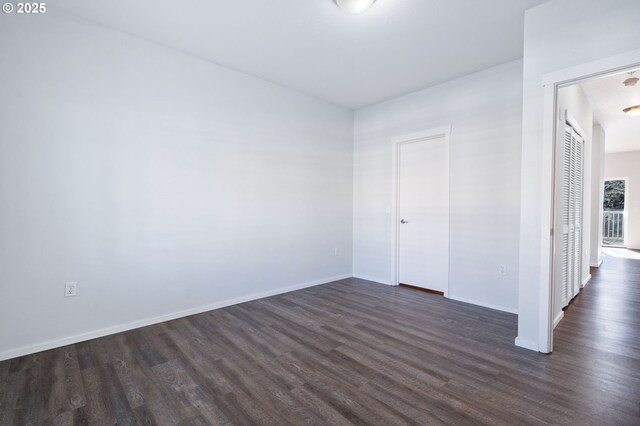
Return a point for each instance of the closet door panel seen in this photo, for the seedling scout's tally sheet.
(578, 213)
(564, 209)
(570, 215)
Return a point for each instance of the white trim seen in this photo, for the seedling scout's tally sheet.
(439, 132)
(586, 281)
(56, 343)
(595, 69)
(558, 319)
(485, 304)
(574, 123)
(372, 279)
(547, 220)
(443, 131)
(596, 265)
(551, 82)
(527, 344)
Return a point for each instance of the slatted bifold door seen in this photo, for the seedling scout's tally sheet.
(569, 219)
(577, 145)
(566, 248)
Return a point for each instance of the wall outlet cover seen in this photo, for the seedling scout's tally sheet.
(502, 269)
(70, 289)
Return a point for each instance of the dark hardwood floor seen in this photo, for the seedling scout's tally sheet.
(349, 352)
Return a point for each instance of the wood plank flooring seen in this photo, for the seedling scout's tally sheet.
(349, 352)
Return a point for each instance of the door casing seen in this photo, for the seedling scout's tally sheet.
(396, 142)
(551, 82)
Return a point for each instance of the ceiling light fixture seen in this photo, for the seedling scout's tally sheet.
(354, 6)
(632, 110)
(631, 81)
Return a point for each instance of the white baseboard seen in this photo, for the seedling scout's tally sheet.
(484, 304)
(586, 281)
(558, 319)
(527, 344)
(56, 343)
(375, 280)
(596, 265)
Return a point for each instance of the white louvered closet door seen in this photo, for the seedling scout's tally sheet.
(570, 215)
(577, 145)
(566, 248)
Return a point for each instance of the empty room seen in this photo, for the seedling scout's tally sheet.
(322, 212)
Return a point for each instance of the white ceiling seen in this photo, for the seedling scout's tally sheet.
(608, 97)
(396, 47)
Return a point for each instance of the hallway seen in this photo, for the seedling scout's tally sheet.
(600, 334)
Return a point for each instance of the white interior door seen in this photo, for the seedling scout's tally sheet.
(423, 200)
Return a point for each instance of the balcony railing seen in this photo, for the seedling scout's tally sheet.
(613, 228)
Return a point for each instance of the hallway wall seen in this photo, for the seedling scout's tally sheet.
(597, 193)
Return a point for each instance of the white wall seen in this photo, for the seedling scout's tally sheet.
(558, 34)
(597, 193)
(573, 99)
(627, 165)
(484, 111)
(159, 182)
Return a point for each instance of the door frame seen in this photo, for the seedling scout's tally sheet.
(396, 143)
(551, 82)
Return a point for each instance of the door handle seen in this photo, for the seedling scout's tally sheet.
(404, 221)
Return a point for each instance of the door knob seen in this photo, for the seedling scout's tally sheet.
(404, 221)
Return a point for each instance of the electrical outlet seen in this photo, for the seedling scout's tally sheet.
(336, 251)
(502, 269)
(70, 289)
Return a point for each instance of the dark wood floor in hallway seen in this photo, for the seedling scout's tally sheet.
(349, 352)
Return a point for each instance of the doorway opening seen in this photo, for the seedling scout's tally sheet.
(595, 141)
